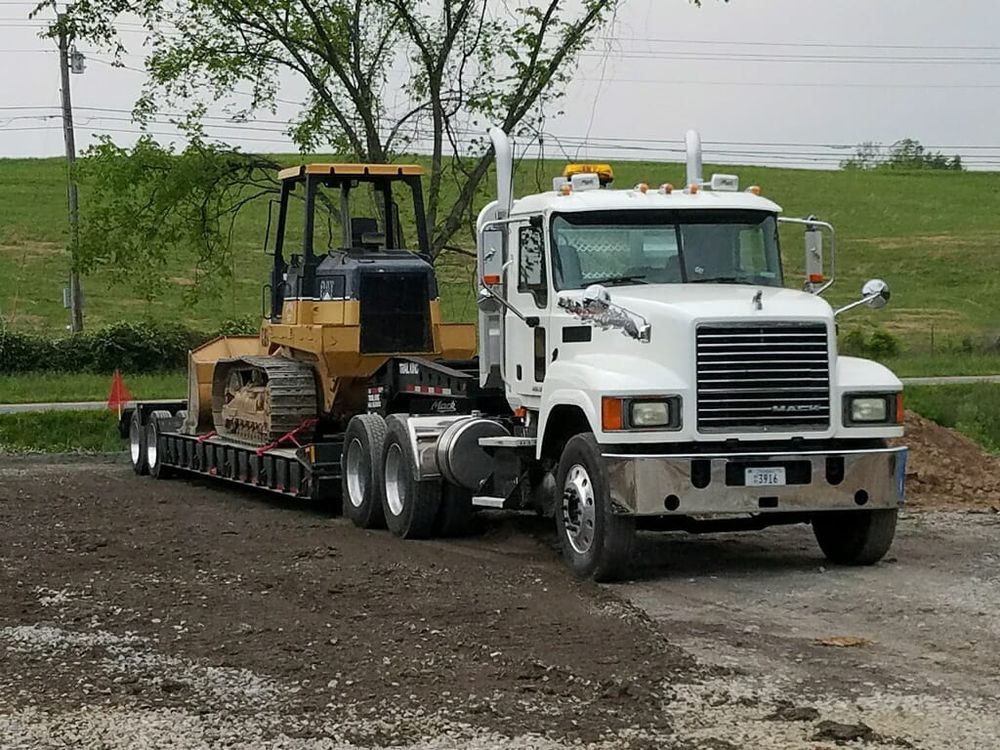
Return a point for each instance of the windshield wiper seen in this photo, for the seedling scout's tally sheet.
(722, 280)
(612, 280)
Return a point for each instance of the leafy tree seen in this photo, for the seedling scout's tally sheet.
(148, 205)
(907, 153)
(867, 155)
(466, 62)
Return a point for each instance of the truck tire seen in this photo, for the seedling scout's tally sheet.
(137, 442)
(361, 471)
(410, 507)
(154, 456)
(455, 514)
(596, 542)
(855, 537)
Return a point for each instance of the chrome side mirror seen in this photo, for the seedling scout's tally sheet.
(816, 282)
(874, 293)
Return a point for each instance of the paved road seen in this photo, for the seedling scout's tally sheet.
(96, 405)
(67, 406)
(952, 380)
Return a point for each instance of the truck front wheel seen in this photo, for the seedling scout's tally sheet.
(856, 537)
(596, 543)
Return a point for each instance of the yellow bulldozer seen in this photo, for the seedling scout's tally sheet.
(336, 314)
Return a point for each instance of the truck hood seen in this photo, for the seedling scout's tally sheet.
(685, 303)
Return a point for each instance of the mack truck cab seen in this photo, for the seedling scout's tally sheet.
(671, 376)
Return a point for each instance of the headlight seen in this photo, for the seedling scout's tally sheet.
(871, 409)
(649, 414)
(640, 413)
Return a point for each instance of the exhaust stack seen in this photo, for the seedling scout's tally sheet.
(693, 143)
(505, 170)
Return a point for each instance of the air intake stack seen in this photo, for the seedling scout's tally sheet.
(693, 145)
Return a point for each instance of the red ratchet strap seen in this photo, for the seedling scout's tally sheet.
(288, 437)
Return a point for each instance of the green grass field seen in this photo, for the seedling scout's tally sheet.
(41, 387)
(970, 409)
(931, 235)
(60, 432)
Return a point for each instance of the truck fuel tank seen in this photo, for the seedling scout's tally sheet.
(460, 458)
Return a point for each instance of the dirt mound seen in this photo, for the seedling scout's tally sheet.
(948, 471)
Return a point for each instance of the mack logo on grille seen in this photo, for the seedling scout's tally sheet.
(763, 377)
(797, 408)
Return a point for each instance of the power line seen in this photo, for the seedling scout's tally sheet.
(683, 56)
(807, 45)
(775, 149)
(796, 84)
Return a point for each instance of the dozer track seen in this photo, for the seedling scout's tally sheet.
(256, 400)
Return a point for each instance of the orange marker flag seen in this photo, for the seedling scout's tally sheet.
(119, 395)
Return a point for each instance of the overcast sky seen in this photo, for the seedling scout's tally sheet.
(807, 75)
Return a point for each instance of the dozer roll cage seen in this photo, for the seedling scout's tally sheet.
(345, 177)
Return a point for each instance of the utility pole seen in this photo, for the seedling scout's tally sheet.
(75, 289)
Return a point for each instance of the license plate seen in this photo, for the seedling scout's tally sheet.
(771, 477)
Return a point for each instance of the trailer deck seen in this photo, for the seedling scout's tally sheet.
(310, 471)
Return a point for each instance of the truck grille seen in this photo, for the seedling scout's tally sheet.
(771, 377)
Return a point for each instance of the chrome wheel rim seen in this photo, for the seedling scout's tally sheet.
(151, 450)
(357, 468)
(579, 510)
(135, 449)
(395, 491)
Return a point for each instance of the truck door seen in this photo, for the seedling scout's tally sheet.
(528, 292)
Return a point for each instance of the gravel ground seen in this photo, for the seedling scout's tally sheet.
(143, 614)
(139, 613)
(902, 653)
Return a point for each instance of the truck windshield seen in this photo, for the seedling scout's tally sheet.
(665, 247)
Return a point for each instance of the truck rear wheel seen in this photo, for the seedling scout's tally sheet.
(410, 507)
(596, 543)
(855, 537)
(137, 443)
(154, 456)
(361, 471)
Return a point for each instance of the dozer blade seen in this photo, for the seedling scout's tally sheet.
(257, 400)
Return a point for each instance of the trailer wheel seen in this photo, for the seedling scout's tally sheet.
(137, 442)
(154, 455)
(361, 471)
(410, 507)
(596, 542)
(455, 514)
(855, 537)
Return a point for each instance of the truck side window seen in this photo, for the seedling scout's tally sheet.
(531, 273)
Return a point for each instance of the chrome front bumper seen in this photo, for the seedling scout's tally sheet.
(710, 484)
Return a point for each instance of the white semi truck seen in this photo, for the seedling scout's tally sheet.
(661, 374)
(643, 364)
